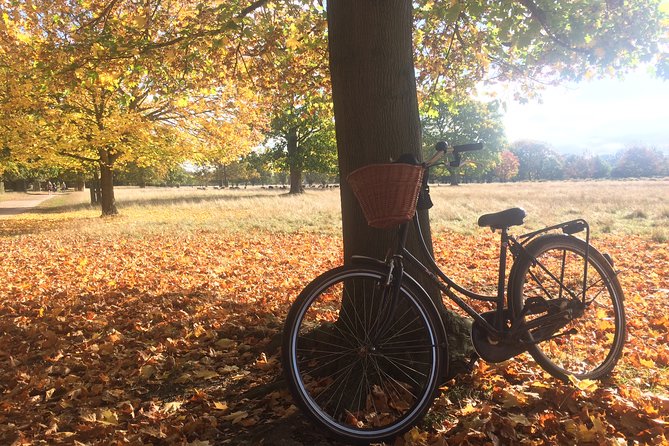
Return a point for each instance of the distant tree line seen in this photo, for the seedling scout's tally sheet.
(537, 161)
(305, 155)
(460, 120)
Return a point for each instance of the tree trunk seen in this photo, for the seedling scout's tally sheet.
(94, 187)
(455, 176)
(376, 117)
(294, 162)
(108, 202)
(224, 176)
(2, 187)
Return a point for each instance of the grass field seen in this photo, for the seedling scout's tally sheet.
(612, 207)
(160, 325)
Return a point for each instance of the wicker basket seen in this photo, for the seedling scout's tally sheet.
(387, 193)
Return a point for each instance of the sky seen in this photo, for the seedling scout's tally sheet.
(596, 116)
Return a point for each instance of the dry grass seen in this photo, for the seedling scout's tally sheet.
(611, 207)
(14, 196)
(618, 207)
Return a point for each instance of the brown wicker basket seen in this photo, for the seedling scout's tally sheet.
(387, 193)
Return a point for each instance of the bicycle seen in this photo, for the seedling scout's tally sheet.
(364, 346)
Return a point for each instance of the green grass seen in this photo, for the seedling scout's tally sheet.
(611, 207)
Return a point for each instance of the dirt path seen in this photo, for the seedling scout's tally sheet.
(9, 208)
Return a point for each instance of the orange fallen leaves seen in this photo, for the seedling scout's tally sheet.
(174, 340)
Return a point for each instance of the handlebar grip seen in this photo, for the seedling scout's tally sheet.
(468, 147)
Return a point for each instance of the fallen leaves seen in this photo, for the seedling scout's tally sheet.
(112, 336)
(174, 340)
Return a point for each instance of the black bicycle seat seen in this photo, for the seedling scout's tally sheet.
(503, 219)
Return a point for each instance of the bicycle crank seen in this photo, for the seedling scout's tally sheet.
(493, 351)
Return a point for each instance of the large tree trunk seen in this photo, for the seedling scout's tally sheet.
(108, 201)
(294, 162)
(376, 117)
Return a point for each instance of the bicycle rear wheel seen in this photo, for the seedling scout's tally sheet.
(551, 277)
(361, 364)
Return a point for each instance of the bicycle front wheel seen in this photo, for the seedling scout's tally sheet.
(359, 362)
(553, 277)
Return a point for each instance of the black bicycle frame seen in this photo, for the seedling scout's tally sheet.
(448, 286)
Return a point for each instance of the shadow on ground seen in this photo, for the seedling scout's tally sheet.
(130, 367)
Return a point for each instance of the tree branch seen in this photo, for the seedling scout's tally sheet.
(147, 48)
(79, 157)
(539, 15)
(252, 7)
(103, 16)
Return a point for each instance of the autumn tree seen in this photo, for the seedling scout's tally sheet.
(301, 135)
(507, 169)
(302, 139)
(537, 161)
(118, 82)
(461, 120)
(5, 166)
(585, 166)
(635, 162)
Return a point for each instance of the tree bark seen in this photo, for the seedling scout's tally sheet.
(294, 162)
(108, 202)
(96, 196)
(224, 176)
(2, 187)
(455, 176)
(376, 118)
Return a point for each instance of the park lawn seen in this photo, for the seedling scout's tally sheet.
(161, 325)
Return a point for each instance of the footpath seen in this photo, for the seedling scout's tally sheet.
(9, 208)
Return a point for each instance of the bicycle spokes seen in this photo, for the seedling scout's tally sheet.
(571, 308)
(365, 357)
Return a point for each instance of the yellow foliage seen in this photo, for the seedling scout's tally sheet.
(144, 108)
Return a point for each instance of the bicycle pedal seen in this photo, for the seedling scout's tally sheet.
(535, 305)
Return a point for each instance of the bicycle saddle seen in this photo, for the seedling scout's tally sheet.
(503, 219)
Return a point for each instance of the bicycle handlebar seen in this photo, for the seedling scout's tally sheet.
(468, 147)
(443, 148)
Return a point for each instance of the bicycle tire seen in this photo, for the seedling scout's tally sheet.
(364, 369)
(596, 342)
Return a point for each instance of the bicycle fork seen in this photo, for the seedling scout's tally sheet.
(393, 285)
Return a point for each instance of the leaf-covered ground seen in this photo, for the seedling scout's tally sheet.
(174, 339)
